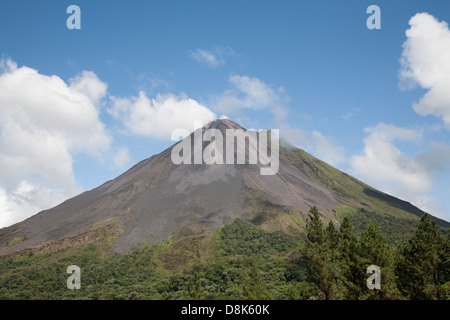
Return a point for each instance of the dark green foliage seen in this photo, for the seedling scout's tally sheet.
(351, 262)
(396, 230)
(255, 287)
(240, 238)
(421, 263)
(333, 236)
(114, 277)
(322, 255)
(375, 250)
(194, 290)
(314, 227)
(337, 262)
(304, 291)
(245, 262)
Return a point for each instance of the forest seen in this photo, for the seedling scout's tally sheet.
(240, 262)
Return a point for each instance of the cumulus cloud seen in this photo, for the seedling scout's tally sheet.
(382, 164)
(160, 116)
(27, 199)
(88, 84)
(425, 62)
(45, 121)
(251, 93)
(385, 167)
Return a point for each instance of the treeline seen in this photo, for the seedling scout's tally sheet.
(244, 262)
(337, 262)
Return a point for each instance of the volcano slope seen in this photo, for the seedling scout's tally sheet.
(157, 199)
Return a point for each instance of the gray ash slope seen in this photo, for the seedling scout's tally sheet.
(156, 197)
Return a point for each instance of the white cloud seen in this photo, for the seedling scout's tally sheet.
(383, 166)
(436, 158)
(327, 149)
(88, 84)
(386, 167)
(431, 205)
(251, 93)
(295, 136)
(425, 61)
(27, 199)
(212, 58)
(351, 114)
(121, 158)
(160, 116)
(43, 122)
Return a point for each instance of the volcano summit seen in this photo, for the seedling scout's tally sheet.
(157, 198)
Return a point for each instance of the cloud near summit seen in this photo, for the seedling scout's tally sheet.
(158, 117)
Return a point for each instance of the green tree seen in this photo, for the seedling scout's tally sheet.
(254, 286)
(314, 227)
(332, 236)
(321, 253)
(421, 263)
(351, 262)
(194, 288)
(446, 269)
(374, 250)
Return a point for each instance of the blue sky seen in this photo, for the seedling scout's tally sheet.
(310, 68)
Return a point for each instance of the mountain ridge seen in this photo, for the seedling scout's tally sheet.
(155, 197)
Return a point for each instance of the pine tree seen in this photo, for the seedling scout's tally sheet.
(351, 262)
(374, 250)
(421, 263)
(447, 258)
(314, 227)
(332, 236)
(323, 269)
(446, 269)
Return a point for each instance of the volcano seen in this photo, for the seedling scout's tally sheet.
(157, 198)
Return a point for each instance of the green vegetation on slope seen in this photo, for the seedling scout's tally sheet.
(223, 262)
(362, 204)
(240, 238)
(14, 241)
(395, 230)
(241, 261)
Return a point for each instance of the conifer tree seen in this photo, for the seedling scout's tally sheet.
(332, 236)
(421, 263)
(446, 269)
(323, 269)
(351, 262)
(375, 251)
(314, 227)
